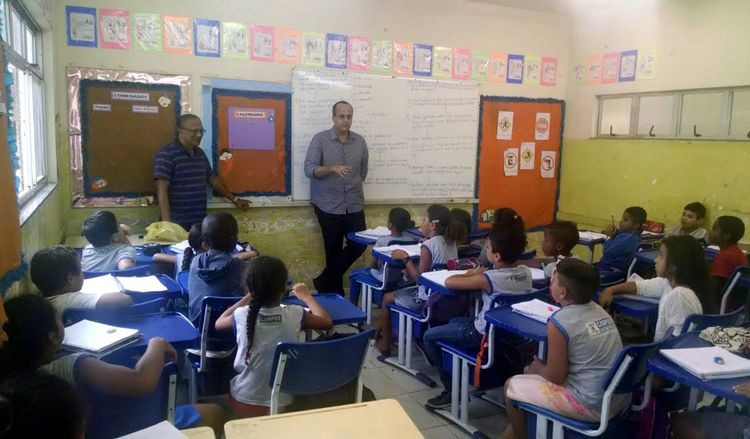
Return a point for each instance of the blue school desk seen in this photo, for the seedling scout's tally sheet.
(174, 290)
(476, 234)
(644, 310)
(342, 311)
(590, 244)
(661, 366)
(396, 263)
(504, 318)
(353, 237)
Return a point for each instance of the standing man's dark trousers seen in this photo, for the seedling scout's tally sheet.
(338, 259)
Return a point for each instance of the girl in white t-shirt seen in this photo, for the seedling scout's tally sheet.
(261, 322)
(681, 283)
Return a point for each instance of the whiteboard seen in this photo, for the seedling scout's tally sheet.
(421, 134)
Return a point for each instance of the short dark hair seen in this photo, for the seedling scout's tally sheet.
(686, 266)
(51, 266)
(697, 208)
(400, 219)
(462, 216)
(637, 214)
(220, 231)
(508, 235)
(733, 226)
(99, 227)
(31, 318)
(580, 278)
(564, 232)
(333, 109)
(184, 118)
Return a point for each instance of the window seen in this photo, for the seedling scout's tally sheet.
(22, 49)
(615, 116)
(655, 116)
(701, 114)
(739, 123)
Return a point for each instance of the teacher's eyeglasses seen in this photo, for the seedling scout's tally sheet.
(200, 131)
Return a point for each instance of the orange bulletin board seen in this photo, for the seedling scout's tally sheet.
(253, 171)
(531, 194)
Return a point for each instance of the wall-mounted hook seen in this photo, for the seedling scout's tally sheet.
(695, 133)
(610, 131)
(651, 132)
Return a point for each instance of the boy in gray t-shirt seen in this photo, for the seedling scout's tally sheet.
(109, 247)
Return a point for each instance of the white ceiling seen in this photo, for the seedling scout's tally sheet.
(560, 7)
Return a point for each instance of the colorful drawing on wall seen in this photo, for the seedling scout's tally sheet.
(549, 71)
(542, 126)
(207, 37)
(81, 26)
(359, 53)
(578, 73)
(610, 67)
(251, 128)
(262, 41)
(313, 48)
(628, 63)
(147, 32)
(504, 125)
(336, 51)
(114, 29)
(594, 69)
(287, 46)
(498, 66)
(403, 61)
(422, 60)
(548, 164)
(510, 162)
(532, 68)
(234, 40)
(480, 64)
(178, 35)
(646, 64)
(515, 69)
(461, 63)
(527, 155)
(442, 62)
(381, 60)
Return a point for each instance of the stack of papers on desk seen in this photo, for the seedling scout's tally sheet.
(535, 309)
(116, 284)
(377, 232)
(440, 276)
(585, 235)
(709, 363)
(411, 250)
(97, 337)
(162, 430)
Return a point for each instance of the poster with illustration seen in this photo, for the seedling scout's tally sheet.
(359, 53)
(504, 125)
(628, 63)
(422, 60)
(178, 35)
(313, 48)
(532, 69)
(480, 63)
(646, 64)
(541, 126)
(207, 37)
(515, 69)
(147, 32)
(594, 69)
(114, 29)
(403, 61)
(527, 155)
(461, 63)
(548, 164)
(442, 62)
(578, 73)
(610, 67)
(549, 71)
(381, 59)
(498, 66)
(234, 40)
(336, 51)
(510, 162)
(81, 26)
(262, 40)
(287, 46)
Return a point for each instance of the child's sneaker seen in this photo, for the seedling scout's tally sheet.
(441, 401)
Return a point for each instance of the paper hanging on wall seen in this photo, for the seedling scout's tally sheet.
(422, 60)
(515, 69)
(262, 40)
(381, 60)
(510, 162)
(207, 37)
(81, 26)
(114, 29)
(102, 107)
(542, 126)
(594, 69)
(549, 71)
(146, 109)
(504, 125)
(610, 67)
(251, 128)
(178, 35)
(147, 32)
(532, 68)
(498, 66)
(548, 164)
(359, 53)
(234, 40)
(403, 58)
(336, 51)
(480, 64)
(442, 62)
(527, 155)
(287, 46)
(313, 48)
(646, 64)
(461, 63)
(578, 73)
(628, 63)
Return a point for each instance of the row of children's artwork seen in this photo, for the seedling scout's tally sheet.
(214, 38)
(614, 67)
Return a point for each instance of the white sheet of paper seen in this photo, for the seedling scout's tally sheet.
(96, 337)
(541, 126)
(440, 276)
(548, 163)
(528, 155)
(535, 309)
(101, 285)
(141, 284)
(510, 162)
(504, 125)
(377, 232)
(585, 235)
(537, 274)
(162, 430)
(701, 362)
(411, 250)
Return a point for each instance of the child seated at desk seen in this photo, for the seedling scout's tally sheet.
(442, 235)
(559, 239)
(582, 344)
(464, 217)
(726, 233)
(506, 242)
(56, 271)
(399, 220)
(35, 334)
(691, 222)
(261, 322)
(109, 248)
(624, 240)
(681, 282)
(215, 272)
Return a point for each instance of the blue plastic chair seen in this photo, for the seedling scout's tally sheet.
(739, 279)
(627, 374)
(318, 367)
(139, 270)
(699, 322)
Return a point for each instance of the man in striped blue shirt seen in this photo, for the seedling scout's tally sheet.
(181, 171)
(336, 164)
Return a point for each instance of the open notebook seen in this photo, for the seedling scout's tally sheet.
(377, 232)
(535, 309)
(709, 363)
(411, 250)
(97, 337)
(117, 284)
(162, 430)
(585, 235)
